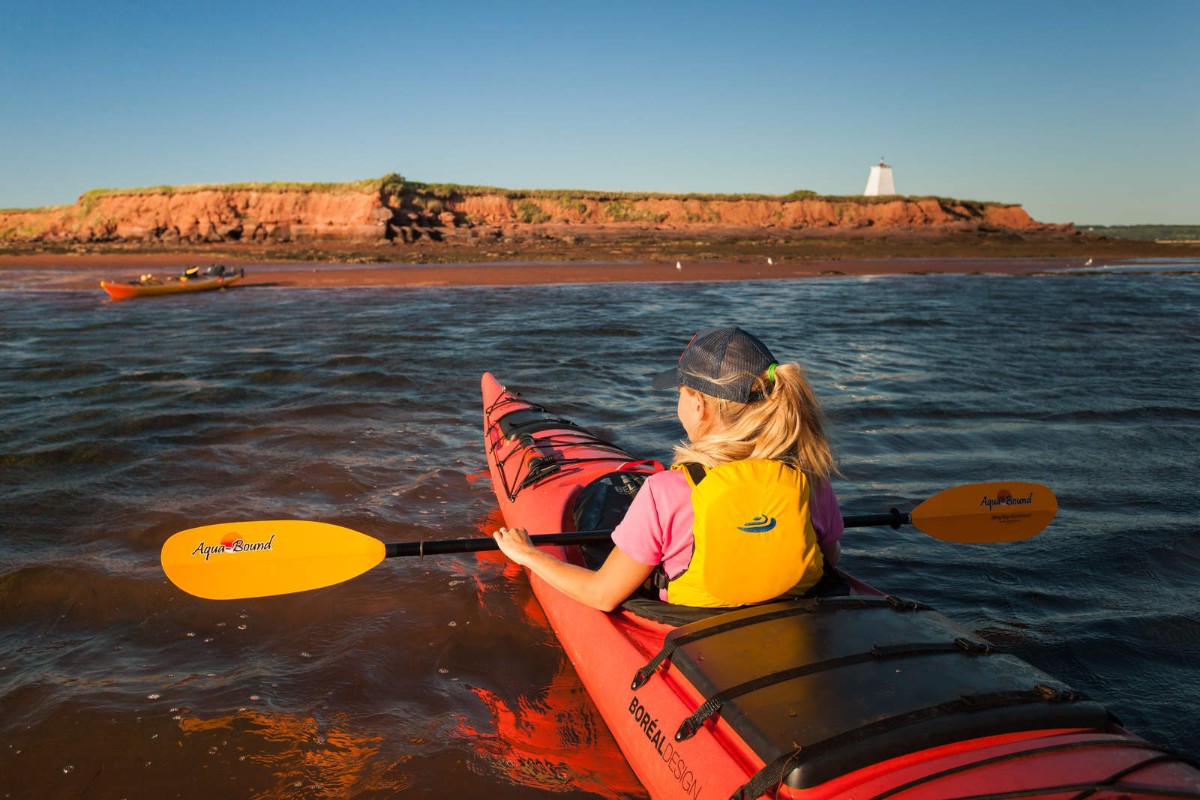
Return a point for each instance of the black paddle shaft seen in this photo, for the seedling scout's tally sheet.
(435, 547)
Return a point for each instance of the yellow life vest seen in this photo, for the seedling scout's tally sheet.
(754, 537)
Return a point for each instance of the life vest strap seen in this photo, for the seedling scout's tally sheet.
(696, 472)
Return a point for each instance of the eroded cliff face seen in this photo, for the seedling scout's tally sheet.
(211, 215)
(804, 213)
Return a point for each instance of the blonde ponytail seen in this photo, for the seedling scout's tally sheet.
(786, 425)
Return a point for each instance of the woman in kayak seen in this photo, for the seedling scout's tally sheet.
(745, 515)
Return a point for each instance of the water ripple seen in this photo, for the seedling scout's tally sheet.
(123, 423)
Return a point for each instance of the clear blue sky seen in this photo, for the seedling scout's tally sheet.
(1081, 111)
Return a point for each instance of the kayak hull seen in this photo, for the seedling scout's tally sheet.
(126, 290)
(829, 722)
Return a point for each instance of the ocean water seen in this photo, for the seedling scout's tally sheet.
(122, 423)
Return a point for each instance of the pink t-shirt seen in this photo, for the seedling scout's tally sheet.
(657, 528)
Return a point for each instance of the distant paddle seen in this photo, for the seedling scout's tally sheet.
(237, 560)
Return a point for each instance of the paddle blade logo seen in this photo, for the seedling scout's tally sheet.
(760, 524)
(1005, 498)
(232, 543)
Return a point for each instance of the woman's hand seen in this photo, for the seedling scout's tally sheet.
(516, 544)
(605, 589)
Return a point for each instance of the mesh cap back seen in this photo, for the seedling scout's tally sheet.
(719, 362)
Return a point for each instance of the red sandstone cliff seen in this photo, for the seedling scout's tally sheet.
(365, 212)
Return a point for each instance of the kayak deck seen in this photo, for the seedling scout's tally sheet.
(820, 688)
(853, 695)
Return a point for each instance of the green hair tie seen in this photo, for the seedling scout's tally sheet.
(771, 372)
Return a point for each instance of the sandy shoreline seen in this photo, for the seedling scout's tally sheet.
(58, 271)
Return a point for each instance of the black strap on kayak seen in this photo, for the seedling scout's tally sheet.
(540, 467)
(818, 605)
(713, 704)
(521, 423)
(776, 772)
(1111, 783)
(531, 419)
(560, 441)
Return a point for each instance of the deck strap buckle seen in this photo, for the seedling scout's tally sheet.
(770, 775)
(900, 604)
(539, 467)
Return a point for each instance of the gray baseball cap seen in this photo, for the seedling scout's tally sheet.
(719, 362)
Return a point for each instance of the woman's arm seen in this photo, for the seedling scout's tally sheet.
(831, 552)
(605, 588)
(827, 521)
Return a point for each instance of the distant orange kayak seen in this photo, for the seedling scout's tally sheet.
(194, 279)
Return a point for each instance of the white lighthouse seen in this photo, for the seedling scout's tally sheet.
(880, 180)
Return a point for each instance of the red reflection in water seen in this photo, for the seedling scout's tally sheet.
(553, 737)
(554, 741)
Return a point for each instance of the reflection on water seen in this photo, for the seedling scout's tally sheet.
(548, 737)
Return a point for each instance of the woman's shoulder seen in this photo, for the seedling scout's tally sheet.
(668, 480)
(669, 486)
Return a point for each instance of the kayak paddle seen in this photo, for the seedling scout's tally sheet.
(238, 560)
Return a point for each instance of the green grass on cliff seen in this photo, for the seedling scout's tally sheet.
(395, 185)
(347, 187)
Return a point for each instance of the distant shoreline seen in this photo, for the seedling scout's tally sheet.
(66, 272)
(604, 256)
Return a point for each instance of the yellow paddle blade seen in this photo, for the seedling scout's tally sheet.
(256, 559)
(1003, 511)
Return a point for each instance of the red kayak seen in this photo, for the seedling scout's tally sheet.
(851, 693)
(194, 280)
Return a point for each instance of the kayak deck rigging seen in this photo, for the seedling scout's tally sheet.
(519, 424)
(790, 680)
